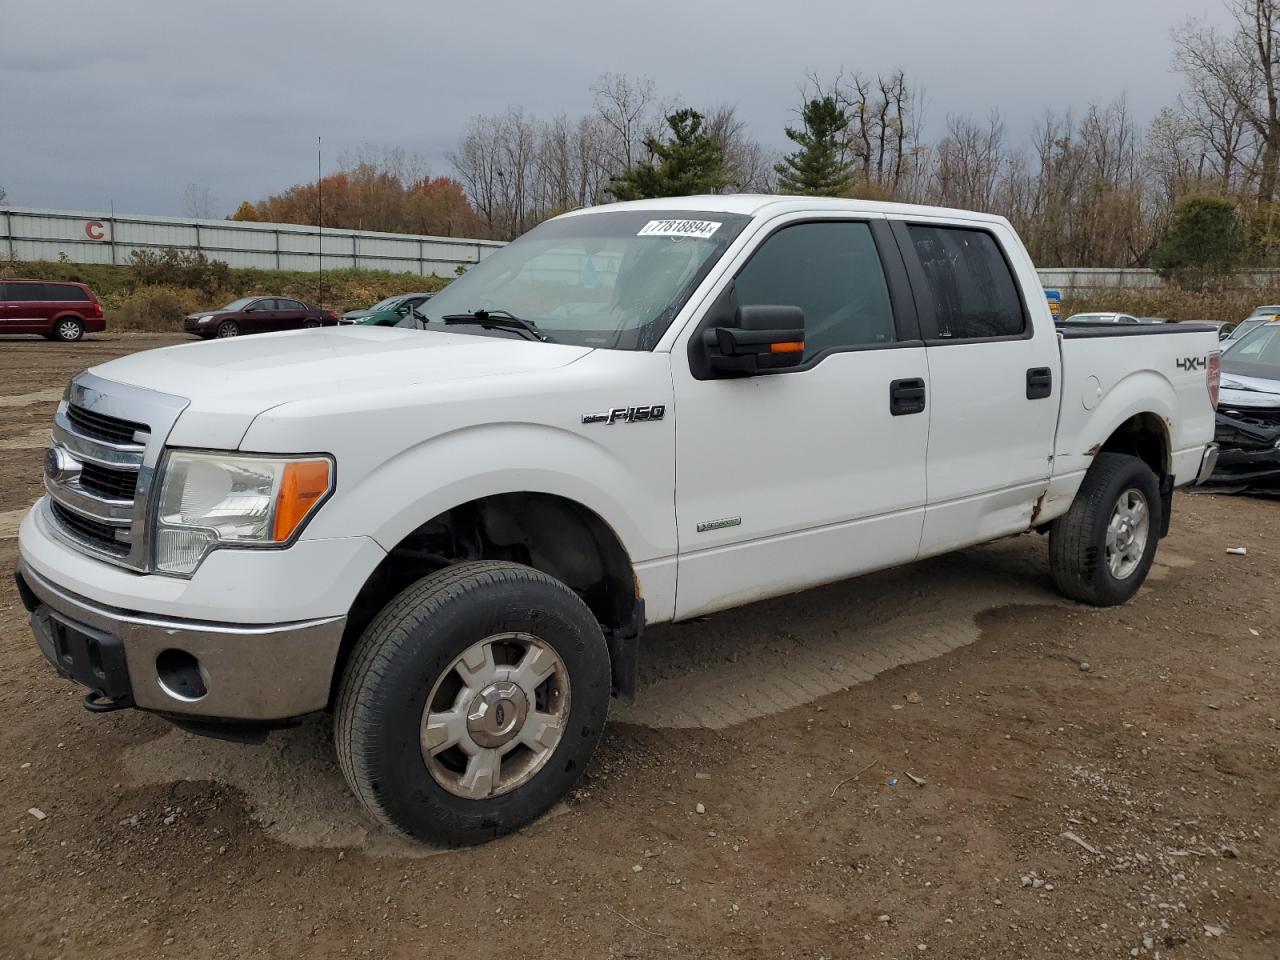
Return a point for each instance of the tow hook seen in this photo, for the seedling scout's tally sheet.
(96, 703)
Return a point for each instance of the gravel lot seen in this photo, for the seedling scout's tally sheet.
(944, 760)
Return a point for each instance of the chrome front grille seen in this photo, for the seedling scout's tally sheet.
(108, 429)
(107, 442)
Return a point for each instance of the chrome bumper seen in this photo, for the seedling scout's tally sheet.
(1207, 463)
(249, 672)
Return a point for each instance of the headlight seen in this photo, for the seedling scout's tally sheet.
(205, 319)
(215, 499)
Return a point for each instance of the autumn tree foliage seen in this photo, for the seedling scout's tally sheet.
(387, 191)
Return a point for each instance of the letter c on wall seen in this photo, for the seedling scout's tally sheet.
(95, 230)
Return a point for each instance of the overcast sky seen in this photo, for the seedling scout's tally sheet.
(129, 102)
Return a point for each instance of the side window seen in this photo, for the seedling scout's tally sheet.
(288, 305)
(25, 292)
(266, 303)
(66, 292)
(974, 292)
(830, 270)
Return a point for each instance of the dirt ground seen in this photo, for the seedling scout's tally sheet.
(944, 760)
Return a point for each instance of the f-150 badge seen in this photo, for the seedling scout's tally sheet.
(627, 415)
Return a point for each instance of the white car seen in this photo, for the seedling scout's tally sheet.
(452, 533)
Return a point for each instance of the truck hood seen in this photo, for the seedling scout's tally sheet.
(1244, 391)
(229, 382)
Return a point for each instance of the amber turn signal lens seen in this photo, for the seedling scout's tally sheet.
(304, 484)
(789, 346)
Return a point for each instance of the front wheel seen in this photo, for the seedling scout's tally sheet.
(472, 703)
(1101, 550)
(228, 328)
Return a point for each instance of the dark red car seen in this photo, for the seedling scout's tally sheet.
(57, 310)
(257, 315)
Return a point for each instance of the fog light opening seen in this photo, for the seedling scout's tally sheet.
(179, 674)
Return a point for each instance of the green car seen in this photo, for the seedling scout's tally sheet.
(388, 312)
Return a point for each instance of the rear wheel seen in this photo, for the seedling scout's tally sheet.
(1101, 550)
(68, 330)
(228, 328)
(472, 703)
(311, 324)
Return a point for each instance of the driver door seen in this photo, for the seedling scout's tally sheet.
(789, 479)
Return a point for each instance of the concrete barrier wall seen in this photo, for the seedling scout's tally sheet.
(1096, 280)
(32, 234)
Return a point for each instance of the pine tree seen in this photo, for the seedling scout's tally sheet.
(690, 162)
(816, 168)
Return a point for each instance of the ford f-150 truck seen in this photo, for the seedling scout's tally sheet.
(451, 533)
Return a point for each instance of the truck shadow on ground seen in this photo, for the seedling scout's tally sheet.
(732, 668)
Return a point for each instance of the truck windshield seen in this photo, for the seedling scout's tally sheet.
(613, 279)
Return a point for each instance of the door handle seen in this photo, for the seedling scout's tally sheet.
(1039, 383)
(906, 396)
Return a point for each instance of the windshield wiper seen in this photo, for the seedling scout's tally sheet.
(499, 320)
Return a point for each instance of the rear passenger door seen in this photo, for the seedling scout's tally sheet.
(994, 381)
(290, 315)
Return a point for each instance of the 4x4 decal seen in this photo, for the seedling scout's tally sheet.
(1192, 363)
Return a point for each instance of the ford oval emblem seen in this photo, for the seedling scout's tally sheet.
(60, 466)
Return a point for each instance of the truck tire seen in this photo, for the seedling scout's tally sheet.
(1101, 549)
(472, 703)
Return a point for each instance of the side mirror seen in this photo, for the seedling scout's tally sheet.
(762, 338)
(1224, 334)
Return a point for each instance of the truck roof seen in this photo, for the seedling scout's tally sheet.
(756, 204)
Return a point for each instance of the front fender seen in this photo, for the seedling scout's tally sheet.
(393, 498)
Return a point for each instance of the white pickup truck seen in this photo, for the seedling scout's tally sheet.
(452, 533)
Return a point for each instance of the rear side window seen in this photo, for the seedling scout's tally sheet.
(66, 291)
(974, 292)
(831, 270)
(288, 305)
(24, 292)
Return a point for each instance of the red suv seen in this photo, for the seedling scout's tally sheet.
(57, 311)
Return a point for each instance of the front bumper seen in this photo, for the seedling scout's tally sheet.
(259, 672)
(1249, 446)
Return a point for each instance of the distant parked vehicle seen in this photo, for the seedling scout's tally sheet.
(55, 310)
(1248, 416)
(1102, 318)
(1256, 319)
(257, 315)
(388, 312)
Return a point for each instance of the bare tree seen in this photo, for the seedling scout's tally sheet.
(628, 109)
(748, 165)
(1234, 80)
(968, 163)
(198, 201)
(883, 137)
